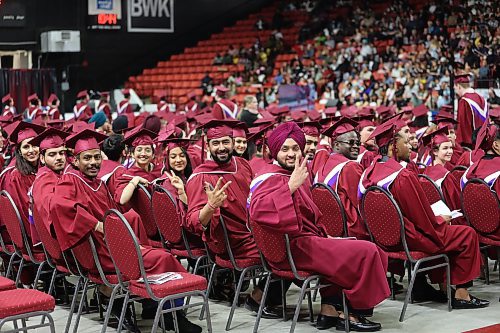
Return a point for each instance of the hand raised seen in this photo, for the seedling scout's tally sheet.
(175, 180)
(299, 175)
(216, 196)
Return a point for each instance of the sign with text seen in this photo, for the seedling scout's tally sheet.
(150, 16)
(12, 14)
(104, 15)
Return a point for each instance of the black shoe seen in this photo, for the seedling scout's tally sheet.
(325, 322)
(128, 321)
(149, 308)
(424, 292)
(185, 326)
(363, 325)
(474, 303)
(268, 312)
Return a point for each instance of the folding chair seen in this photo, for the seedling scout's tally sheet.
(25, 304)
(6, 247)
(22, 245)
(431, 190)
(166, 214)
(127, 258)
(385, 224)
(141, 203)
(275, 248)
(328, 202)
(478, 204)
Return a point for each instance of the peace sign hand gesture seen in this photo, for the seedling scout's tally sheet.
(216, 196)
(299, 175)
(176, 181)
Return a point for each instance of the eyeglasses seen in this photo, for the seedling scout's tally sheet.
(351, 142)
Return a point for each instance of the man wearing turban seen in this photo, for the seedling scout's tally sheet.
(280, 202)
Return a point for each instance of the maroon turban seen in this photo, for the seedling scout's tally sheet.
(281, 133)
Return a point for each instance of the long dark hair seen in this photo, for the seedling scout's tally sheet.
(187, 171)
(22, 165)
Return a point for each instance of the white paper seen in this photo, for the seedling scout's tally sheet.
(162, 278)
(440, 208)
(456, 213)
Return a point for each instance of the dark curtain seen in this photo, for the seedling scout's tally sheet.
(20, 83)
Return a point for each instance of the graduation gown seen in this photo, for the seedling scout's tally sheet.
(225, 109)
(233, 210)
(106, 108)
(471, 113)
(318, 161)
(359, 267)
(343, 175)
(42, 193)
(424, 231)
(469, 157)
(18, 186)
(54, 114)
(124, 107)
(449, 187)
(123, 178)
(110, 173)
(82, 111)
(365, 157)
(486, 168)
(79, 203)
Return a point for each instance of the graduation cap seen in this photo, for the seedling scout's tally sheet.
(7, 119)
(240, 130)
(104, 94)
(50, 138)
(486, 136)
(420, 111)
(446, 108)
(384, 134)
(407, 109)
(313, 115)
(342, 126)
(56, 123)
(362, 123)
(6, 98)
(220, 91)
(445, 120)
(22, 131)
(178, 143)
(152, 123)
(330, 112)
(366, 112)
(85, 140)
(82, 94)
(298, 116)
(217, 128)
(169, 132)
(79, 126)
(311, 128)
(32, 97)
(279, 110)
(436, 138)
(139, 136)
(259, 133)
(384, 111)
(349, 111)
(461, 78)
(52, 98)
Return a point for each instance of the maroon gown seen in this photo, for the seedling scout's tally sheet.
(471, 114)
(359, 267)
(424, 231)
(43, 192)
(79, 203)
(110, 173)
(233, 210)
(343, 175)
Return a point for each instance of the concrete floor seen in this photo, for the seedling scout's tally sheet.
(424, 317)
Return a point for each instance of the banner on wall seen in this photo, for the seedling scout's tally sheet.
(104, 14)
(12, 14)
(150, 16)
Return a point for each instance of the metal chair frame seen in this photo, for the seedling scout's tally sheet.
(414, 263)
(336, 197)
(26, 316)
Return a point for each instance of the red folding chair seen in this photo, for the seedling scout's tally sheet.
(334, 218)
(141, 203)
(385, 224)
(482, 211)
(22, 244)
(126, 254)
(166, 214)
(275, 248)
(24, 304)
(431, 190)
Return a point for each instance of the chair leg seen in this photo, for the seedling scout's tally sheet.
(80, 307)
(346, 312)
(310, 305)
(210, 282)
(393, 293)
(52, 282)
(23, 325)
(283, 299)
(110, 306)
(236, 297)
(73, 304)
(9, 267)
(195, 270)
(297, 307)
(124, 311)
(448, 284)
(38, 273)
(315, 296)
(486, 267)
(174, 316)
(18, 276)
(159, 310)
(206, 306)
(410, 288)
(262, 304)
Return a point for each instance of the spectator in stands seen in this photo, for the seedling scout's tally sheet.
(250, 111)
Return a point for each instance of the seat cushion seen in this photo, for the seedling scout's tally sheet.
(184, 253)
(488, 241)
(189, 282)
(6, 284)
(288, 275)
(96, 278)
(38, 256)
(19, 301)
(402, 255)
(242, 263)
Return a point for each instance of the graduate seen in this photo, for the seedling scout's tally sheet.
(112, 169)
(240, 141)
(424, 231)
(81, 110)
(80, 201)
(342, 172)
(223, 107)
(280, 201)
(441, 152)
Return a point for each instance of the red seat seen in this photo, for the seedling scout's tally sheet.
(242, 263)
(189, 282)
(6, 284)
(19, 301)
(141, 203)
(431, 190)
(328, 202)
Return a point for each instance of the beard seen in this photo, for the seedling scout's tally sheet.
(285, 166)
(222, 160)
